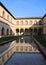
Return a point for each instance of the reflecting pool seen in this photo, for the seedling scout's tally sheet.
(26, 59)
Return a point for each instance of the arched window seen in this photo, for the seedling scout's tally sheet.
(7, 17)
(10, 32)
(35, 22)
(17, 22)
(30, 30)
(21, 30)
(40, 31)
(35, 30)
(7, 31)
(2, 31)
(3, 14)
(30, 22)
(21, 22)
(11, 19)
(17, 30)
(26, 22)
(26, 30)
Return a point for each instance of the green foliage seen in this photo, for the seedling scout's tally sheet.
(41, 39)
(8, 38)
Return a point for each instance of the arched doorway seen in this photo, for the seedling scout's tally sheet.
(35, 31)
(10, 32)
(7, 31)
(26, 31)
(40, 31)
(30, 31)
(2, 31)
(17, 31)
(21, 31)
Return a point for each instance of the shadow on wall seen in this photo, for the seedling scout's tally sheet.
(5, 30)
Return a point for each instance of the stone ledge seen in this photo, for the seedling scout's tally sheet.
(42, 48)
(2, 43)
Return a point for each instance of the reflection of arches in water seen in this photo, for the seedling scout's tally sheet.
(26, 48)
(21, 40)
(21, 48)
(2, 31)
(26, 41)
(30, 48)
(17, 40)
(17, 48)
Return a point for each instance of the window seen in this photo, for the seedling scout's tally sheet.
(11, 19)
(40, 22)
(26, 22)
(3, 14)
(21, 22)
(30, 22)
(17, 30)
(21, 30)
(7, 31)
(10, 32)
(35, 22)
(2, 31)
(7, 17)
(17, 22)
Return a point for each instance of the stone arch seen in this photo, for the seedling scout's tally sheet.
(21, 30)
(10, 32)
(2, 31)
(30, 30)
(7, 31)
(17, 30)
(40, 31)
(35, 30)
(26, 30)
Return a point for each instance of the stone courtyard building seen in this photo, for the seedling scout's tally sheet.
(9, 25)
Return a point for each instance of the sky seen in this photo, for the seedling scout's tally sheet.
(25, 8)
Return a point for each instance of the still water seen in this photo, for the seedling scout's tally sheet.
(26, 58)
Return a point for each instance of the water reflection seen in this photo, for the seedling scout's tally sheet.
(26, 39)
(26, 59)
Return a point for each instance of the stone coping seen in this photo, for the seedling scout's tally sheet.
(41, 47)
(2, 43)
